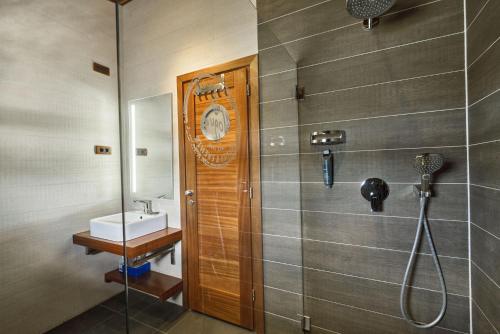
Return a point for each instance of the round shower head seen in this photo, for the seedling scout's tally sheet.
(428, 163)
(368, 9)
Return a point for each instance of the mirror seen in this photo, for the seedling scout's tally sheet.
(150, 142)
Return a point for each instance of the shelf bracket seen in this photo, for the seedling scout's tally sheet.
(91, 251)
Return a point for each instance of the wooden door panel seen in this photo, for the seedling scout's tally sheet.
(220, 263)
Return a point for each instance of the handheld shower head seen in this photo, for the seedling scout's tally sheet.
(427, 164)
(368, 10)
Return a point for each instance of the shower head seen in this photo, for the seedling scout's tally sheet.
(427, 164)
(368, 10)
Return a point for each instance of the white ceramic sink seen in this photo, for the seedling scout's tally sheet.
(137, 224)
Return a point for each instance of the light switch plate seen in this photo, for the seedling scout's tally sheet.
(99, 149)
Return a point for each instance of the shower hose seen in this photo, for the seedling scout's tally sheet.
(423, 223)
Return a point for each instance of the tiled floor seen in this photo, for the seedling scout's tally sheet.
(147, 316)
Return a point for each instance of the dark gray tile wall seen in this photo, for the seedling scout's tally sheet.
(483, 53)
(397, 91)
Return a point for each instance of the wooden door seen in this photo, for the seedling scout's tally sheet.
(217, 205)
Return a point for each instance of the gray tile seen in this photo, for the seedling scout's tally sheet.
(193, 322)
(450, 202)
(437, 19)
(486, 295)
(484, 252)
(279, 114)
(451, 238)
(389, 165)
(327, 16)
(382, 297)
(485, 209)
(279, 141)
(116, 325)
(160, 315)
(283, 303)
(281, 195)
(473, 8)
(485, 164)
(277, 87)
(439, 92)
(137, 301)
(280, 168)
(277, 59)
(84, 321)
(385, 265)
(281, 222)
(282, 249)
(282, 276)
(431, 57)
(270, 9)
(484, 120)
(479, 322)
(345, 319)
(484, 75)
(484, 31)
(444, 128)
(279, 325)
(314, 20)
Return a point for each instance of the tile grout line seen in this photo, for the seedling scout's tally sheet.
(484, 315)
(363, 214)
(359, 182)
(475, 17)
(485, 142)
(366, 86)
(280, 316)
(485, 187)
(361, 246)
(373, 150)
(484, 98)
(484, 230)
(345, 26)
(293, 12)
(364, 118)
(376, 312)
(485, 274)
(132, 318)
(364, 54)
(484, 52)
(360, 277)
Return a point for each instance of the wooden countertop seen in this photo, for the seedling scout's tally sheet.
(135, 247)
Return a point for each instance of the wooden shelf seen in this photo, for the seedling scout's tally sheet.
(153, 283)
(135, 247)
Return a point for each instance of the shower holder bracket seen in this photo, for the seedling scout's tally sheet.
(328, 137)
(417, 189)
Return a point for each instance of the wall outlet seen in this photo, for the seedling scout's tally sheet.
(99, 149)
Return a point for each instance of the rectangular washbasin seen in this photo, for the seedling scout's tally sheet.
(137, 224)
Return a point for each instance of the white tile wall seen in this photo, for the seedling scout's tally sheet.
(163, 39)
(53, 110)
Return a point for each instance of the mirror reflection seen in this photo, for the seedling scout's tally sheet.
(150, 147)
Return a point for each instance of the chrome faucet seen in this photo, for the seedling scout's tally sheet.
(147, 206)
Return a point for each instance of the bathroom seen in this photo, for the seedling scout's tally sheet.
(250, 166)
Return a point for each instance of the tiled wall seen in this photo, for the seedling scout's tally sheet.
(53, 110)
(161, 40)
(397, 91)
(483, 35)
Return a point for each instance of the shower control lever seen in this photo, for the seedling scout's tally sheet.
(375, 191)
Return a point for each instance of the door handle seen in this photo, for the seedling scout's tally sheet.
(191, 202)
(189, 192)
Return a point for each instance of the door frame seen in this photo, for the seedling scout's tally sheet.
(251, 63)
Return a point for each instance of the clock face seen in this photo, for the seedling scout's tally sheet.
(215, 122)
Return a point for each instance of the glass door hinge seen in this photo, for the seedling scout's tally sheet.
(306, 323)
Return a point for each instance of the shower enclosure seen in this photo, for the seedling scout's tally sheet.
(398, 90)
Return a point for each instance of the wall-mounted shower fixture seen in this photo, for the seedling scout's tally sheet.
(375, 191)
(328, 168)
(328, 137)
(426, 164)
(368, 10)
